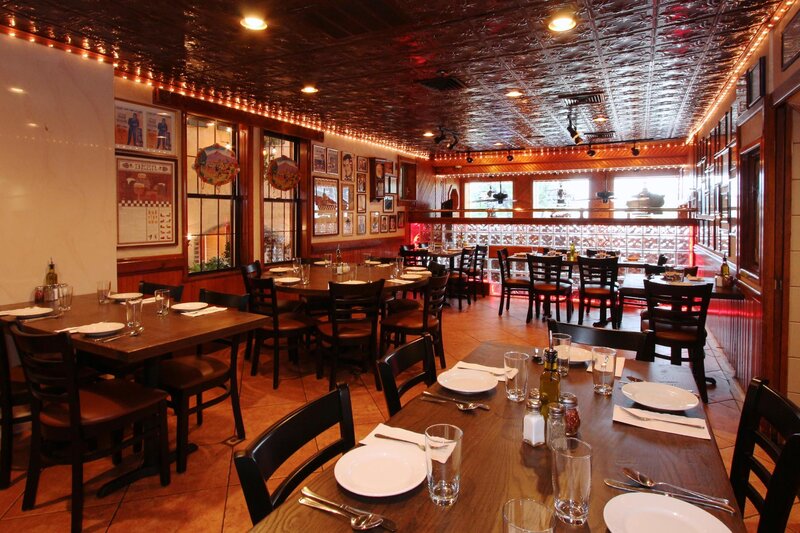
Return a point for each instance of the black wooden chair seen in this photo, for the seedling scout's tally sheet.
(262, 457)
(73, 424)
(416, 352)
(175, 291)
(772, 423)
(551, 282)
(13, 393)
(476, 273)
(598, 281)
(509, 284)
(254, 270)
(192, 375)
(635, 341)
(459, 284)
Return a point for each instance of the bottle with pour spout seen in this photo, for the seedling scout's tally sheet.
(51, 278)
(550, 380)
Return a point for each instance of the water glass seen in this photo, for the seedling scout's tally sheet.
(103, 290)
(572, 479)
(305, 274)
(516, 368)
(523, 515)
(65, 296)
(296, 264)
(162, 297)
(328, 258)
(562, 343)
(400, 264)
(133, 312)
(51, 297)
(603, 366)
(443, 458)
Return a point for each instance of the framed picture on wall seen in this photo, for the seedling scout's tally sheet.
(319, 164)
(333, 161)
(361, 203)
(326, 206)
(384, 223)
(375, 222)
(790, 42)
(388, 203)
(392, 223)
(388, 167)
(347, 198)
(146, 195)
(361, 225)
(139, 128)
(362, 165)
(361, 182)
(401, 219)
(347, 223)
(390, 182)
(348, 166)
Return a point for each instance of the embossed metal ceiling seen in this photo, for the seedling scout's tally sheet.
(657, 63)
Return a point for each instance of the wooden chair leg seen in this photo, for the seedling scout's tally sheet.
(256, 354)
(6, 444)
(163, 445)
(116, 439)
(508, 299)
(502, 294)
(580, 310)
(248, 350)
(438, 347)
(531, 297)
(181, 405)
(699, 370)
(275, 363)
(199, 403)
(77, 489)
(34, 469)
(558, 308)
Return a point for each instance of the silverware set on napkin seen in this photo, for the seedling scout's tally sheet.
(360, 519)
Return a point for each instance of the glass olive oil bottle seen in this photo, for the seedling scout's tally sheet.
(550, 380)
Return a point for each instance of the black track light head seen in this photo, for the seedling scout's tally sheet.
(509, 157)
(469, 158)
(590, 152)
(573, 131)
(453, 143)
(439, 138)
(634, 150)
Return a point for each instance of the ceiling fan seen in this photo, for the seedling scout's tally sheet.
(500, 197)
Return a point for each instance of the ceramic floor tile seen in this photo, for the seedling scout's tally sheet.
(199, 510)
(95, 520)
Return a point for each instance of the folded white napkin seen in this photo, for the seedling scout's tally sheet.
(400, 281)
(617, 368)
(700, 432)
(206, 311)
(496, 371)
(73, 329)
(440, 454)
(10, 311)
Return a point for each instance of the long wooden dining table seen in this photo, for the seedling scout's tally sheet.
(498, 466)
(633, 287)
(321, 276)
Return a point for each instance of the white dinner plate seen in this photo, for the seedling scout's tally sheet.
(466, 381)
(101, 328)
(416, 269)
(579, 355)
(287, 280)
(377, 471)
(189, 306)
(371, 262)
(29, 312)
(125, 296)
(410, 276)
(321, 263)
(384, 265)
(660, 396)
(654, 513)
(280, 270)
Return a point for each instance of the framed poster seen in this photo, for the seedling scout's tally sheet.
(361, 203)
(347, 166)
(384, 223)
(140, 128)
(388, 203)
(790, 42)
(319, 164)
(390, 184)
(392, 223)
(347, 198)
(375, 222)
(361, 182)
(326, 206)
(362, 165)
(333, 161)
(388, 167)
(347, 223)
(146, 195)
(401, 219)
(361, 226)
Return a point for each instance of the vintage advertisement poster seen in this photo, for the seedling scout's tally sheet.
(144, 129)
(145, 201)
(326, 206)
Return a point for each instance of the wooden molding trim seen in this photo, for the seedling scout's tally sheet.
(757, 108)
(354, 245)
(421, 218)
(143, 265)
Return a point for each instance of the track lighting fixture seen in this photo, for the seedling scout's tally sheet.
(573, 131)
(509, 157)
(443, 134)
(590, 152)
(439, 138)
(453, 143)
(634, 150)
(469, 158)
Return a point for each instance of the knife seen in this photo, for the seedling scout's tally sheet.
(620, 485)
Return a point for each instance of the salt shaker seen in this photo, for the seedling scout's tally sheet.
(533, 424)
(556, 427)
(572, 417)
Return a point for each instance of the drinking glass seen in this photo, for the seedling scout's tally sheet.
(562, 344)
(296, 264)
(305, 274)
(523, 515)
(443, 458)
(51, 297)
(103, 289)
(133, 312)
(162, 297)
(367, 257)
(65, 296)
(603, 366)
(328, 259)
(516, 367)
(399, 263)
(572, 479)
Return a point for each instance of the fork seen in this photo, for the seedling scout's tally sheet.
(387, 523)
(498, 373)
(468, 404)
(648, 419)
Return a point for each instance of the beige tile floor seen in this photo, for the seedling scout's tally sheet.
(208, 498)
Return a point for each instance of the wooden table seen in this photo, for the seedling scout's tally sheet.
(450, 255)
(633, 287)
(497, 466)
(621, 264)
(321, 276)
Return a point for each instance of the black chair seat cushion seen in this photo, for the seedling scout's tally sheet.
(290, 322)
(103, 402)
(596, 291)
(401, 305)
(561, 286)
(183, 373)
(410, 320)
(289, 306)
(688, 335)
(517, 282)
(347, 332)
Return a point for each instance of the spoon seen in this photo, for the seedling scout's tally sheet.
(647, 481)
(133, 333)
(357, 522)
(462, 405)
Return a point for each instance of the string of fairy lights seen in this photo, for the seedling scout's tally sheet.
(507, 174)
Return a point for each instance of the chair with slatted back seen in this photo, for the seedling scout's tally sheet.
(677, 316)
(415, 257)
(598, 281)
(175, 291)
(416, 352)
(262, 457)
(772, 423)
(73, 423)
(551, 282)
(508, 283)
(352, 326)
(640, 342)
(13, 393)
(288, 326)
(192, 375)
(476, 273)
(458, 285)
(255, 270)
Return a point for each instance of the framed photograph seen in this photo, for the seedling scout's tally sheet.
(361, 203)
(139, 128)
(388, 203)
(333, 161)
(326, 206)
(756, 79)
(390, 182)
(146, 196)
(379, 190)
(392, 223)
(401, 219)
(790, 42)
(348, 166)
(362, 165)
(375, 222)
(361, 224)
(319, 164)
(347, 223)
(361, 182)
(388, 167)
(347, 198)
(384, 223)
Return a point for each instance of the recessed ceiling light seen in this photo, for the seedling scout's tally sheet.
(309, 89)
(254, 23)
(562, 21)
(33, 125)
(16, 90)
(600, 119)
(428, 134)
(514, 93)
(498, 144)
